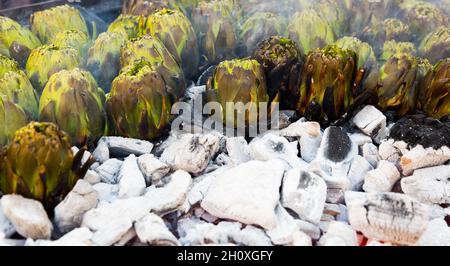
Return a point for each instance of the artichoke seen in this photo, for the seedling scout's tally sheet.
(327, 83)
(175, 31)
(391, 48)
(15, 87)
(367, 61)
(48, 23)
(12, 117)
(39, 164)
(239, 80)
(334, 14)
(435, 91)
(398, 84)
(282, 62)
(153, 51)
(75, 39)
(259, 27)
(216, 31)
(104, 58)
(423, 17)
(47, 60)
(436, 45)
(16, 41)
(129, 24)
(139, 104)
(73, 101)
(310, 31)
(143, 7)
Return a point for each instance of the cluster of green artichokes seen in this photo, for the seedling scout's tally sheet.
(316, 57)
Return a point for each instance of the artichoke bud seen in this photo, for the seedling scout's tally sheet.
(327, 83)
(398, 84)
(75, 39)
(394, 48)
(436, 45)
(39, 164)
(367, 62)
(16, 41)
(48, 23)
(282, 62)
(104, 58)
(239, 81)
(216, 31)
(73, 101)
(139, 104)
(259, 27)
(49, 59)
(153, 51)
(336, 16)
(131, 25)
(7, 65)
(12, 117)
(434, 97)
(143, 7)
(175, 31)
(310, 31)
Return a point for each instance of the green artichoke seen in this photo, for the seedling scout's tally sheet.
(143, 7)
(327, 83)
(239, 80)
(435, 91)
(104, 58)
(398, 84)
(310, 31)
(391, 48)
(175, 31)
(129, 24)
(282, 62)
(16, 87)
(367, 62)
(75, 39)
(139, 104)
(47, 60)
(216, 31)
(12, 117)
(39, 164)
(423, 17)
(48, 23)
(73, 101)
(334, 14)
(259, 27)
(153, 51)
(436, 45)
(16, 41)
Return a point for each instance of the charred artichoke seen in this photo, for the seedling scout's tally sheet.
(39, 164)
(75, 39)
(139, 104)
(259, 27)
(310, 31)
(129, 24)
(282, 62)
(326, 95)
(104, 58)
(48, 23)
(16, 41)
(175, 31)
(391, 48)
(435, 91)
(47, 60)
(153, 51)
(143, 7)
(73, 101)
(436, 45)
(239, 81)
(12, 117)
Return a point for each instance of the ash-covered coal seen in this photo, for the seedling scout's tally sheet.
(423, 130)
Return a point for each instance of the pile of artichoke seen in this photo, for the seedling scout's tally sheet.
(62, 85)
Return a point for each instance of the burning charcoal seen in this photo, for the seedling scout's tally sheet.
(151, 230)
(360, 139)
(6, 227)
(339, 234)
(310, 229)
(382, 179)
(77, 237)
(388, 152)
(419, 157)
(109, 171)
(371, 121)
(101, 153)
(336, 146)
(387, 216)
(238, 150)
(283, 233)
(370, 153)
(357, 172)
(436, 234)
(429, 185)
(305, 194)
(122, 147)
(131, 180)
(152, 168)
(310, 137)
(106, 192)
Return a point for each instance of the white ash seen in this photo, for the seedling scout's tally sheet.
(106, 192)
(92, 177)
(152, 168)
(370, 153)
(6, 227)
(101, 152)
(109, 171)
(222, 159)
(123, 147)
(381, 179)
(285, 227)
(310, 229)
(420, 157)
(131, 180)
(200, 185)
(78, 237)
(238, 150)
(436, 234)
(126, 238)
(371, 121)
(310, 137)
(387, 151)
(358, 170)
(360, 139)
(339, 234)
(151, 230)
(28, 216)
